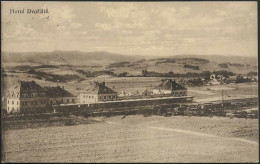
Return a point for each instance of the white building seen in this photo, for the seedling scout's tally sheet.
(97, 92)
(25, 96)
(30, 97)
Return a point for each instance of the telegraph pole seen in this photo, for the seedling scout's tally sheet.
(222, 97)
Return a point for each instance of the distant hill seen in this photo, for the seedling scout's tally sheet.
(188, 63)
(132, 64)
(75, 58)
(223, 59)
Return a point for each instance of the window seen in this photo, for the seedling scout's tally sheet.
(12, 95)
(8, 108)
(83, 96)
(105, 97)
(72, 100)
(109, 97)
(12, 108)
(92, 97)
(68, 100)
(57, 101)
(89, 97)
(100, 97)
(12, 102)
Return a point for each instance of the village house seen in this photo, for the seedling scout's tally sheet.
(169, 86)
(213, 80)
(97, 92)
(25, 96)
(58, 95)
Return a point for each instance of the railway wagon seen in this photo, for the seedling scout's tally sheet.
(117, 105)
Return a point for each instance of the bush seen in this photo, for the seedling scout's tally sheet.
(69, 122)
(191, 67)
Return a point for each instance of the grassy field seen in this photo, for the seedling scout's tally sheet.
(137, 139)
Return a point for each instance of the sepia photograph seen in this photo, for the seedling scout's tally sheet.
(114, 82)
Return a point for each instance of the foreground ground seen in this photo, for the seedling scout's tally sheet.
(138, 139)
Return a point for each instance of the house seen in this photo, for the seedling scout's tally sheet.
(25, 96)
(231, 79)
(58, 95)
(169, 86)
(97, 92)
(213, 80)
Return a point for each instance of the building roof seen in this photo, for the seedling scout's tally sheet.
(99, 88)
(57, 92)
(27, 86)
(168, 84)
(30, 86)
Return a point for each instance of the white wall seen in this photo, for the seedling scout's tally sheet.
(94, 98)
(13, 105)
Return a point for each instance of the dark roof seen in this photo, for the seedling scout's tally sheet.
(57, 92)
(168, 84)
(29, 86)
(99, 88)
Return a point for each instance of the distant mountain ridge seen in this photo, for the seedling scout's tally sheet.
(133, 64)
(63, 57)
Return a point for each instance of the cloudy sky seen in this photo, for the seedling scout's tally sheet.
(137, 28)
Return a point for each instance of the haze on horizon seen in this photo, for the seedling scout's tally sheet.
(133, 28)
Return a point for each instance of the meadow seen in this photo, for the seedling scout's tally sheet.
(137, 139)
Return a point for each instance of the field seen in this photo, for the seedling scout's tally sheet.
(137, 139)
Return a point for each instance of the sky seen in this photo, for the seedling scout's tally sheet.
(133, 28)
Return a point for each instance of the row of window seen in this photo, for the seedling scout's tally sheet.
(88, 96)
(13, 102)
(41, 102)
(12, 108)
(180, 93)
(33, 95)
(100, 97)
(62, 101)
(105, 97)
(28, 95)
